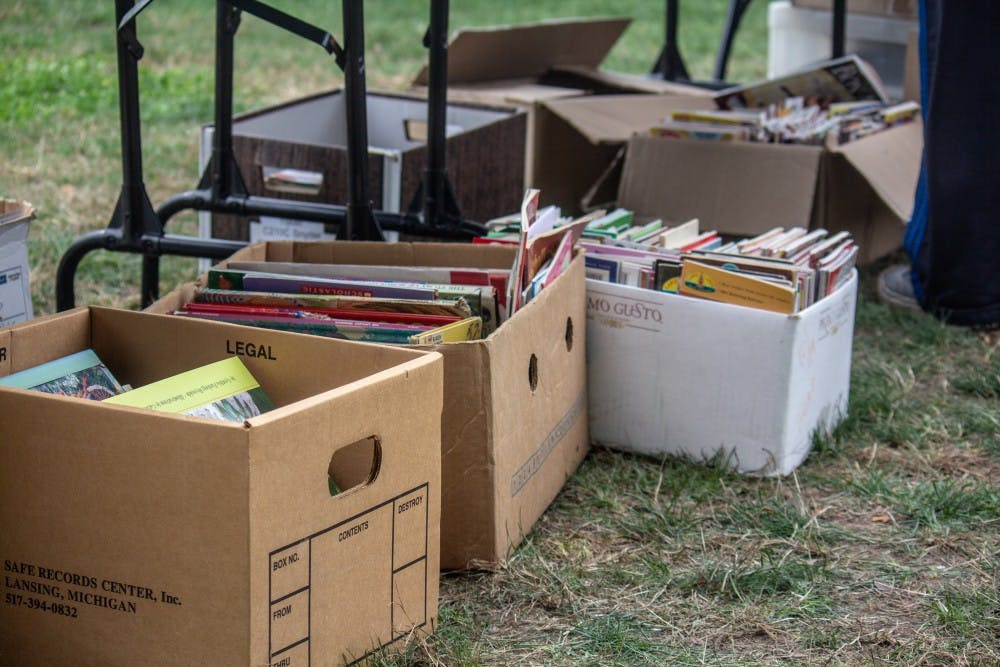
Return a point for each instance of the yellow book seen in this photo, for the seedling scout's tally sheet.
(221, 390)
(716, 284)
(471, 328)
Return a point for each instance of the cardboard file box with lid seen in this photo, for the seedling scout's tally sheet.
(534, 64)
(743, 188)
(15, 289)
(514, 425)
(484, 149)
(138, 537)
(671, 374)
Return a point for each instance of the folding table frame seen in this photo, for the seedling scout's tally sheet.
(135, 227)
(670, 64)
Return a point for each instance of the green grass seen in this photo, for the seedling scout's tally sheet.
(881, 549)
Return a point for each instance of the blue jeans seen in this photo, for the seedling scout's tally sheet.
(953, 238)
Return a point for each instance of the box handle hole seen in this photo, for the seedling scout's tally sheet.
(533, 372)
(354, 466)
(569, 334)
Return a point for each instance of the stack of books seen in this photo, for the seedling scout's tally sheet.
(793, 120)
(783, 270)
(223, 390)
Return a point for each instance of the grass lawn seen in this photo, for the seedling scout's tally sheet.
(881, 549)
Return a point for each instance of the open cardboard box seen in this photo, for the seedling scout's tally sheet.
(514, 425)
(531, 64)
(138, 537)
(742, 188)
(671, 374)
(15, 288)
(484, 152)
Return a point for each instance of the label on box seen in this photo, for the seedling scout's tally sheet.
(372, 566)
(15, 296)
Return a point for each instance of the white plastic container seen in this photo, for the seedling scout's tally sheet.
(798, 36)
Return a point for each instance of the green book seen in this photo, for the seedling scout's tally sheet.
(221, 390)
(82, 374)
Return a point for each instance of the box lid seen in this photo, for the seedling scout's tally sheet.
(614, 118)
(890, 162)
(528, 50)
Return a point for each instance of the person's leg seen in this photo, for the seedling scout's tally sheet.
(954, 236)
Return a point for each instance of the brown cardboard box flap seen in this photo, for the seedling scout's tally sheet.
(639, 83)
(510, 52)
(614, 118)
(666, 178)
(890, 162)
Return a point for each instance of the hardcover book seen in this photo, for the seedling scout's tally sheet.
(82, 375)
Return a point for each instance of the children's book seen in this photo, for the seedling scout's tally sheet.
(221, 390)
(82, 375)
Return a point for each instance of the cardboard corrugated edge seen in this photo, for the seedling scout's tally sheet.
(527, 50)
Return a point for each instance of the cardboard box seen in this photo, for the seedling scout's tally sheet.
(138, 537)
(15, 287)
(484, 153)
(799, 35)
(514, 425)
(534, 64)
(577, 164)
(679, 375)
(865, 186)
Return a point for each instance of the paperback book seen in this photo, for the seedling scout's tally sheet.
(224, 390)
(82, 375)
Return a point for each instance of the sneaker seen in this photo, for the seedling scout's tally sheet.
(895, 289)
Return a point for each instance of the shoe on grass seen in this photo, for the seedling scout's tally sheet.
(895, 289)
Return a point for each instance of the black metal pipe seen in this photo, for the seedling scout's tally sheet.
(227, 19)
(734, 15)
(437, 110)
(360, 223)
(68, 263)
(668, 64)
(131, 203)
(839, 19)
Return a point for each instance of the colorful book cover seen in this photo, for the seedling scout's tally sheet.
(470, 328)
(453, 307)
(601, 268)
(82, 375)
(515, 286)
(717, 284)
(369, 332)
(222, 390)
(335, 313)
(275, 282)
(667, 275)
